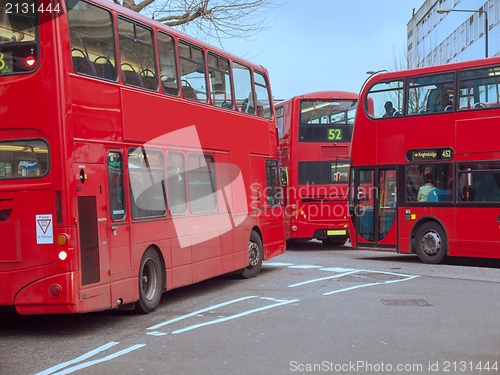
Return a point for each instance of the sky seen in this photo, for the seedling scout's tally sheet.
(315, 45)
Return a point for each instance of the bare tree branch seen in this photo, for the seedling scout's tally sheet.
(212, 19)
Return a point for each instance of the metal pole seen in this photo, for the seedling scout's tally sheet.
(486, 26)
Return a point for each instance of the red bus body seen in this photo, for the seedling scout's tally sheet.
(315, 134)
(65, 247)
(425, 174)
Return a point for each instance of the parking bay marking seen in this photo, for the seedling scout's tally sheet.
(85, 356)
(404, 278)
(219, 320)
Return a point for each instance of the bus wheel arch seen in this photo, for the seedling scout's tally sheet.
(430, 241)
(151, 280)
(255, 255)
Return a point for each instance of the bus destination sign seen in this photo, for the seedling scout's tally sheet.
(335, 134)
(430, 154)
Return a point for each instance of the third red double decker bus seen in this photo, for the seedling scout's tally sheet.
(315, 138)
(425, 174)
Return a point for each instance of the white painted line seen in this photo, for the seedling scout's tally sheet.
(79, 359)
(248, 312)
(277, 264)
(322, 278)
(352, 287)
(156, 333)
(305, 266)
(388, 273)
(273, 299)
(95, 362)
(337, 269)
(198, 312)
(365, 285)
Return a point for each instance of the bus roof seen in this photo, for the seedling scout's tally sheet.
(327, 94)
(384, 75)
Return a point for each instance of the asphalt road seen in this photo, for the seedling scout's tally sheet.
(313, 310)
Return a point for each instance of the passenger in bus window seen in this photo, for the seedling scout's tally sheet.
(426, 188)
(249, 107)
(389, 109)
(443, 103)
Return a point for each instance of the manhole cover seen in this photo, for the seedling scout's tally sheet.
(369, 277)
(406, 302)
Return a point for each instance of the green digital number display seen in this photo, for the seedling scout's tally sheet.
(334, 134)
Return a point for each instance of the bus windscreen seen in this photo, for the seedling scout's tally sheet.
(326, 120)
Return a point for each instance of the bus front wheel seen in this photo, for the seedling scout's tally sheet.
(151, 282)
(431, 243)
(255, 257)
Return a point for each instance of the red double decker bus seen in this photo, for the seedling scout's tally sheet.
(425, 175)
(133, 160)
(315, 138)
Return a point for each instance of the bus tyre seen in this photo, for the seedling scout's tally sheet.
(151, 282)
(431, 243)
(255, 257)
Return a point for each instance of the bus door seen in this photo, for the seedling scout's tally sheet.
(374, 210)
(118, 229)
(266, 202)
(92, 228)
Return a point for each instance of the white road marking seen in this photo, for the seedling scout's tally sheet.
(276, 264)
(336, 269)
(371, 284)
(244, 313)
(85, 356)
(349, 271)
(323, 278)
(156, 326)
(96, 361)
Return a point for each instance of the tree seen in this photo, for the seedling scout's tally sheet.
(208, 19)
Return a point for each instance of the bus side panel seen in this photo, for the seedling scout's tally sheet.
(181, 272)
(467, 140)
(473, 222)
(96, 119)
(234, 247)
(232, 203)
(387, 139)
(27, 244)
(167, 114)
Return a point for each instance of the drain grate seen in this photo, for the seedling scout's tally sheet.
(406, 302)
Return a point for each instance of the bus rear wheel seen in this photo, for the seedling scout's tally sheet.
(255, 257)
(431, 243)
(151, 283)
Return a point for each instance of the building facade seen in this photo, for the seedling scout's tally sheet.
(438, 36)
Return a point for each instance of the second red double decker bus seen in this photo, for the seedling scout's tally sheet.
(315, 137)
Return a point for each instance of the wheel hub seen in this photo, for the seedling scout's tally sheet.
(149, 280)
(253, 254)
(431, 243)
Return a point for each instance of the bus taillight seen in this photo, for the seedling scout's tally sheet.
(63, 253)
(30, 61)
(55, 291)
